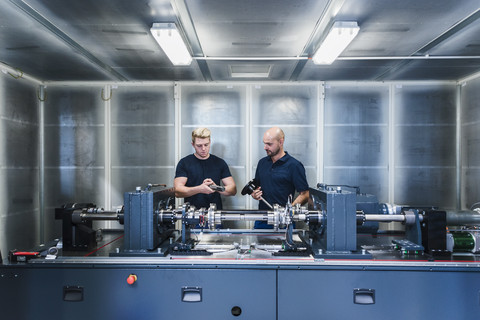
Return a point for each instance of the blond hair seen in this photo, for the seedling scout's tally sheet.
(202, 133)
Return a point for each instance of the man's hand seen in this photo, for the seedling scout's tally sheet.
(257, 194)
(302, 198)
(182, 191)
(205, 186)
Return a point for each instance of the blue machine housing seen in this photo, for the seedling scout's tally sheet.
(142, 230)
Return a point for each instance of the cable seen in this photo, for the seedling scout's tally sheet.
(103, 246)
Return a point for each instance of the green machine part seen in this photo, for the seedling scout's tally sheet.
(463, 241)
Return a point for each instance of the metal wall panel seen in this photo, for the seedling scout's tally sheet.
(425, 144)
(470, 143)
(74, 149)
(293, 108)
(221, 108)
(370, 180)
(142, 149)
(356, 137)
(143, 138)
(19, 172)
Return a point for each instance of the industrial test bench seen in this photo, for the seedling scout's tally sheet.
(328, 260)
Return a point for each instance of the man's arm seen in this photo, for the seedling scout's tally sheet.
(182, 191)
(302, 197)
(230, 187)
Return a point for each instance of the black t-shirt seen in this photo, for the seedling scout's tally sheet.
(197, 170)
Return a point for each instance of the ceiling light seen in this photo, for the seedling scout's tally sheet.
(338, 38)
(169, 39)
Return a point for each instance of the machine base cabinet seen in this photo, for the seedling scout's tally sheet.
(56, 291)
(104, 293)
(379, 294)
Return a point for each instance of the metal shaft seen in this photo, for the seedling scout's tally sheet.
(463, 218)
(244, 217)
(78, 217)
(232, 212)
(268, 204)
(384, 217)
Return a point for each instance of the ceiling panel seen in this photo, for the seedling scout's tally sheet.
(28, 46)
(436, 69)
(341, 70)
(464, 43)
(92, 40)
(253, 28)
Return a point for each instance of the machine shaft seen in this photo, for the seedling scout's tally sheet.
(463, 218)
(454, 218)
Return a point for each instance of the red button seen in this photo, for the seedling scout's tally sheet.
(131, 279)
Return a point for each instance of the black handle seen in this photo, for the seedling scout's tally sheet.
(364, 296)
(191, 294)
(72, 293)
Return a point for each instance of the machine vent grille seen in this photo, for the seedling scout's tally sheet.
(250, 71)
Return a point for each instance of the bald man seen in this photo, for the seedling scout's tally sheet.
(278, 175)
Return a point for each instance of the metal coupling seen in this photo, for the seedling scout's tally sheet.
(409, 217)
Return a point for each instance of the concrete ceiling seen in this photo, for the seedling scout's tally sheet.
(109, 40)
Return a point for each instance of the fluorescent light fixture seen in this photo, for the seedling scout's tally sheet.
(169, 39)
(338, 38)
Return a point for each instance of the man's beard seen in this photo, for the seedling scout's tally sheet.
(272, 153)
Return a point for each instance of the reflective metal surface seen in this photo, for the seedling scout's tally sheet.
(74, 148)
(396, 141)
(19, 171)
(109, 40)
(142, 132)
(470, 142)
(356, 141)
(425, 160)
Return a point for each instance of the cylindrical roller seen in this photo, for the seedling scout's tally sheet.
(99, 216)
(244, 217)
(385, 217)
(463, 218)
(312, 217)
(233, 212)
(79, 217)
(462, 242)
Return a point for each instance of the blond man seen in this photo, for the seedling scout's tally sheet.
(198, 175)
